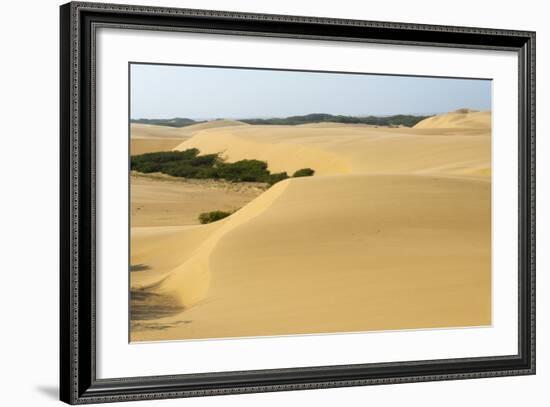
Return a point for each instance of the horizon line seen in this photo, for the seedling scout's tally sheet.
(213, 118)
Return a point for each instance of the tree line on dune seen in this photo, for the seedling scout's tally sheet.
(395, 120)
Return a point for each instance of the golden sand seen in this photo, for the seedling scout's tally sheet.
(149, 138)
(160, 200)
(392, 232)
(344, 149)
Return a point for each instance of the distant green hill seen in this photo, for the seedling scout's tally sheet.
(175, 122)
(395, 120)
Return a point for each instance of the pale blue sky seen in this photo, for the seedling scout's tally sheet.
(168, 91)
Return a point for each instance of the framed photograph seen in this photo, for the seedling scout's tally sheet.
(255, 203)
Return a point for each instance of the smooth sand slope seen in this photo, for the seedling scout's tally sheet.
(148, 138)
(344, 149)
(460, 119)
(329, 254)
(393, 232)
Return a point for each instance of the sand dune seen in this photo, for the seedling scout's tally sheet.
(149, 138)
(212, 124)
(152, 145)
(139, 130)
(461, 119)
(148, 131)
(343, 149)
(158, 250)
(336, 124)
(189, 281)
(250, 276)
(392, 232)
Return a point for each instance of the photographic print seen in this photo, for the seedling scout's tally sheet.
(256, 202)
(282, 202)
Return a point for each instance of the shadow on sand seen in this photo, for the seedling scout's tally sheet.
(146, 305)
(139, 267)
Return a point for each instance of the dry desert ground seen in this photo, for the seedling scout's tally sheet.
(392, 232)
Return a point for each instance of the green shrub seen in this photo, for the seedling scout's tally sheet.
(147, 167)
(304, 172)
(205, 160)
(190, 164)
(209, 217)
(244, 170)
(274, 178)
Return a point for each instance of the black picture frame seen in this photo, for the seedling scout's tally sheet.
(78, 382)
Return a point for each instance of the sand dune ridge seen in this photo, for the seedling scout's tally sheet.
(386, 205)
(189, 282)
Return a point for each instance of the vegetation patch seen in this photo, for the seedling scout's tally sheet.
(190, 164)
(209, 217)
(395, 120)
(304, 172)
(175, 122)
